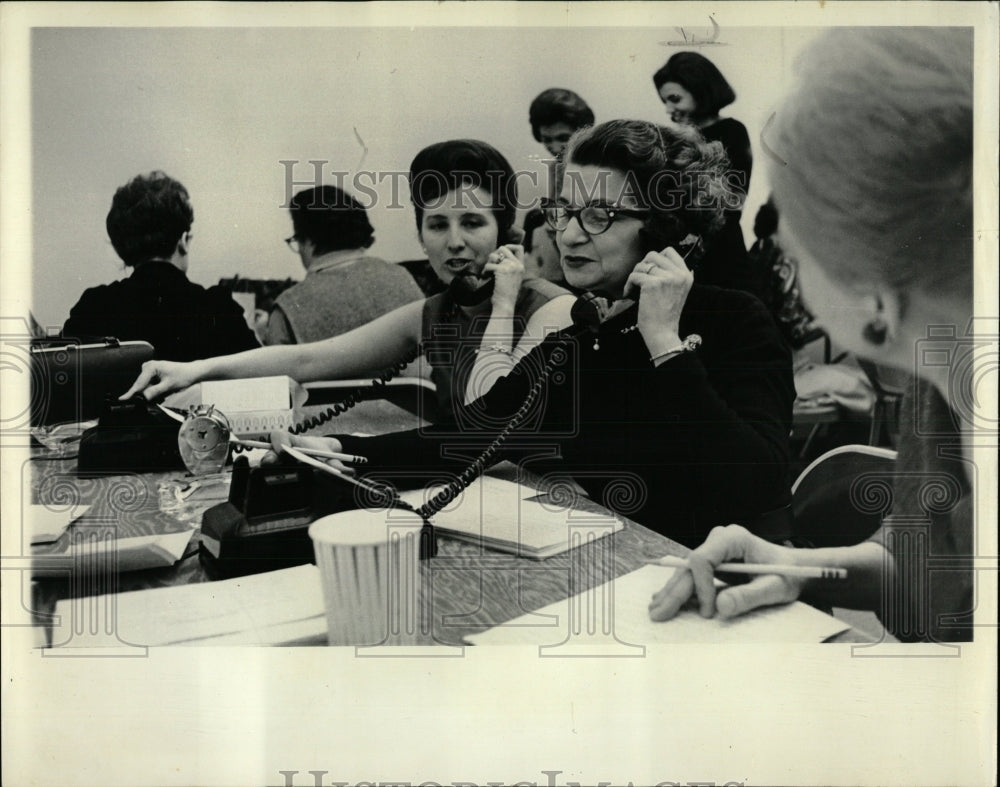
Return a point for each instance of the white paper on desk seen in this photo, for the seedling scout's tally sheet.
(131, 554)
(629, 620)
(47, 525)
(500, 515)
(273, 608)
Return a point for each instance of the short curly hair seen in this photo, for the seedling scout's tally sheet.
(558, 105)
(672, 172)
(148, 216)
(700, 77)
(331, 218)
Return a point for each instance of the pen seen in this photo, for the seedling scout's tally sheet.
(356, 460)
(808, 572)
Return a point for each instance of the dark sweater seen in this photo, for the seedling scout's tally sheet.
(726, 263)
(701, 440)
(182, 320)
(931, 521)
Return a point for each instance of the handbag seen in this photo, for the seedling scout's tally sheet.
(69, 381)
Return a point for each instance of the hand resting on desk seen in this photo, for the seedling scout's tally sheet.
(726, 544)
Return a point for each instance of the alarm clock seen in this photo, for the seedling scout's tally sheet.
(203, 440)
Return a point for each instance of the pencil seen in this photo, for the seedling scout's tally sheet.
(298, 454)
(808, 572)
(355, 460)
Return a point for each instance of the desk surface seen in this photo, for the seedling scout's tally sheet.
(473, 588)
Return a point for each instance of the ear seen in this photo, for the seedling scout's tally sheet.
(184, 244)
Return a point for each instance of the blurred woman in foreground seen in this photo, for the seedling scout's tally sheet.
(872, 174)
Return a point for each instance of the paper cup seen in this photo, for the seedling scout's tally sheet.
(369, 565)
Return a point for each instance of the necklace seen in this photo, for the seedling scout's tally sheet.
(623, 331)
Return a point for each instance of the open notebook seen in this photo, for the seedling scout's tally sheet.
(503, 515)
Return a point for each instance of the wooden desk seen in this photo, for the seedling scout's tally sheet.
(471, 588)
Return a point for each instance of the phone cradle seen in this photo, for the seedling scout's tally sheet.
(265, 523)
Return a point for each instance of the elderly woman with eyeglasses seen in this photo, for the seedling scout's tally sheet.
(669, 402)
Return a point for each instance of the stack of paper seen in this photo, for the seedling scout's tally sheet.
(616, 613)
(499, 515)
(274, 608)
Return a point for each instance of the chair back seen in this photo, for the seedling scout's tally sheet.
(824, 511)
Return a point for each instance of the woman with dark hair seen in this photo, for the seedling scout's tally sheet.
(555, 115)
(464, 194)
(149, 225)
(693, 91)
(673, 410)
(345, 286)
(875, 194)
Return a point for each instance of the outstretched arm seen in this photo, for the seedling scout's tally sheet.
(368, 348)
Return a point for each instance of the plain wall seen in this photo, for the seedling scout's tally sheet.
(220, 109)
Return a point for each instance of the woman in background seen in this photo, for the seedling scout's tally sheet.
(464, 195)
(875, 193)
(555, 115)
(693, 91)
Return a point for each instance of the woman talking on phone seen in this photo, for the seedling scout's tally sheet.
(874, 188)
(464, 193)
(673, 404)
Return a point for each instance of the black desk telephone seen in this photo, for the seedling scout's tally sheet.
(131, 436)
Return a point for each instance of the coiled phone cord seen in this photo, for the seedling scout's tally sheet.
(357, 395)
(478, 465)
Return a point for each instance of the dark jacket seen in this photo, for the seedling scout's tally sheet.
(701, 440)
(182, 320)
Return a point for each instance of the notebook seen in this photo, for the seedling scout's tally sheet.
(502, 515)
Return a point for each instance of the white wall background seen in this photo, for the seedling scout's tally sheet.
(220, 108)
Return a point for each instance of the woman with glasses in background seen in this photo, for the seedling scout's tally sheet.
(670, 402)
(464, 195)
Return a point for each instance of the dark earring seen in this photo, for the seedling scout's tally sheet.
(876, 331)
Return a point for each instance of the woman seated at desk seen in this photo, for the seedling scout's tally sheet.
(464, 193)
(675, 436)
(874, 186)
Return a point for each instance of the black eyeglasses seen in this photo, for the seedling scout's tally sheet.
(293, 243)
(593, 219)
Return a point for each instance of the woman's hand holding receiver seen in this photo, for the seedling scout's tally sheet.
(506, 265)
(728, 544)
(664, 280)
(159, 378)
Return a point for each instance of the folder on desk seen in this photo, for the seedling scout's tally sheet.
(500, 515)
